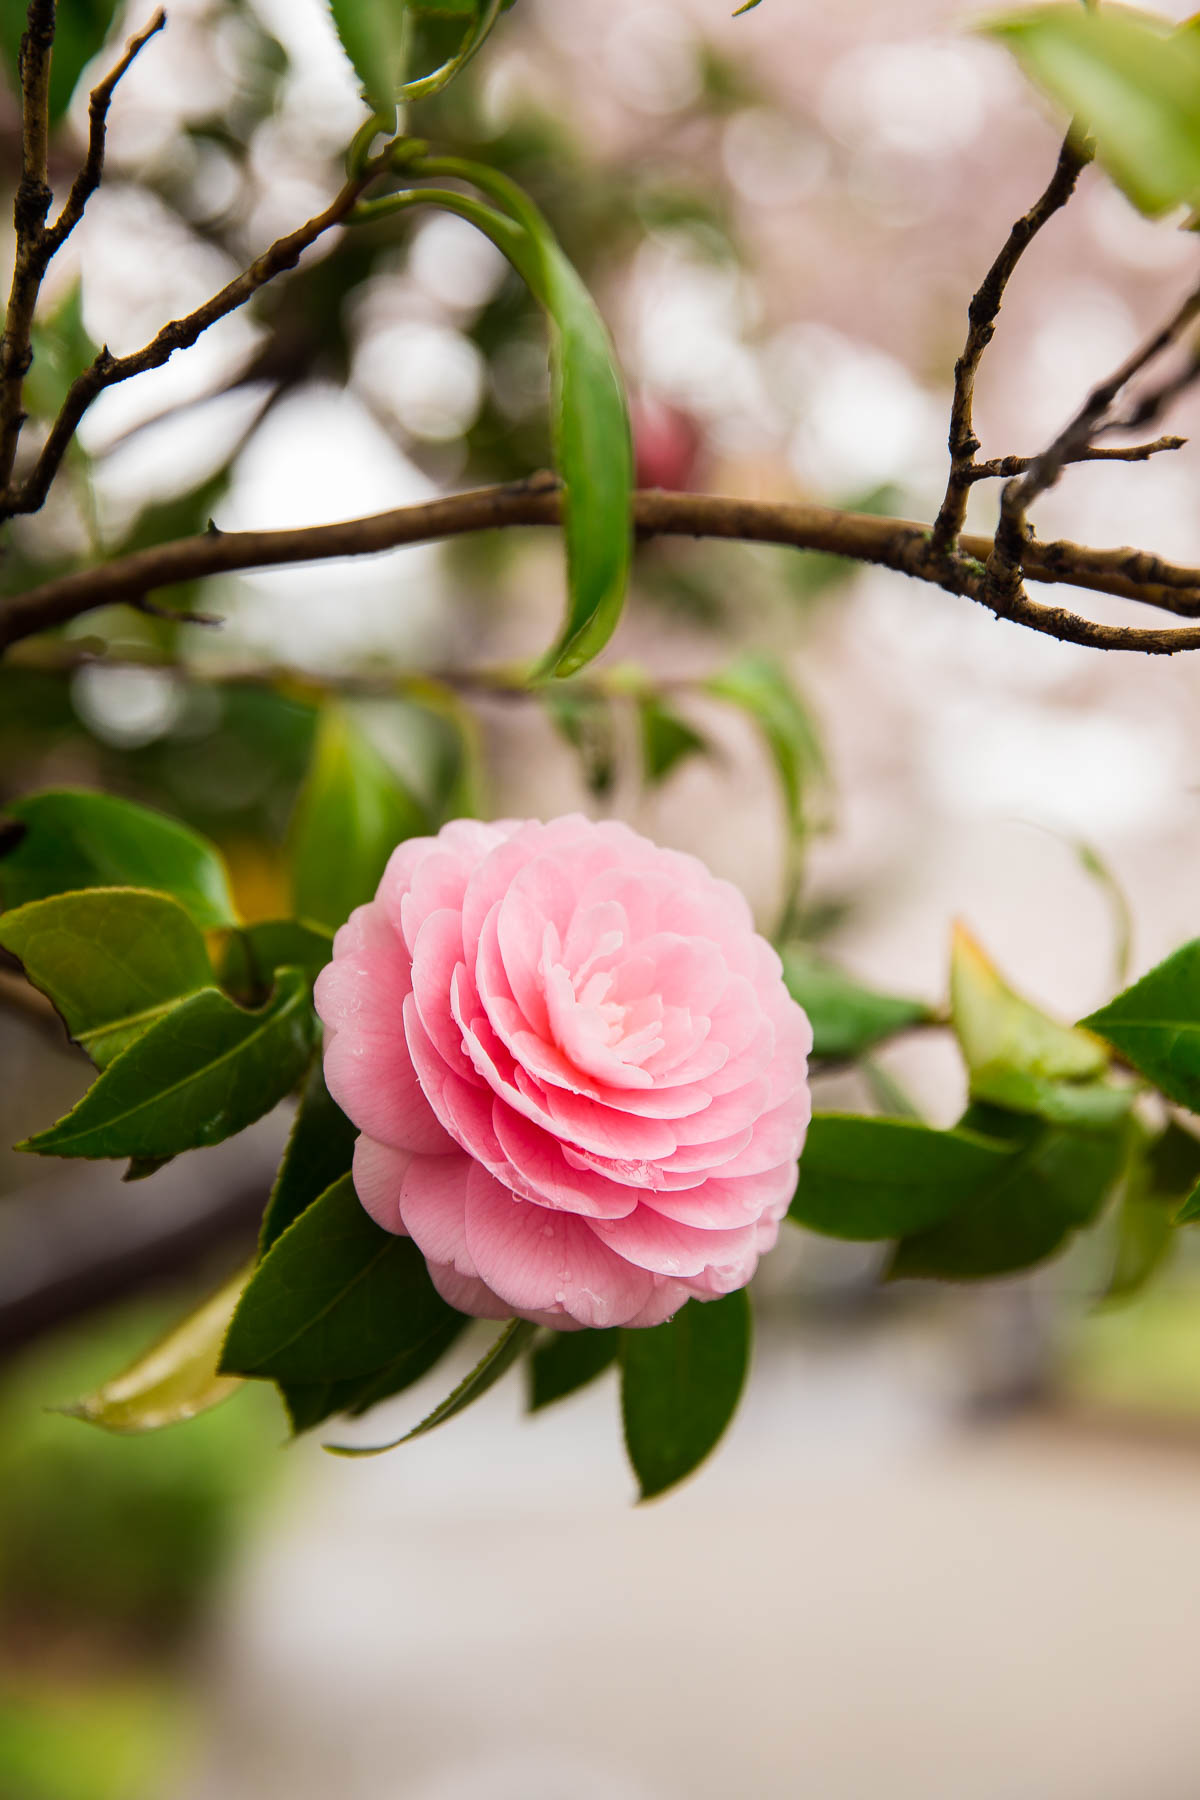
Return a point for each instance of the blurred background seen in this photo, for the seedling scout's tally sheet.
(944, 1551)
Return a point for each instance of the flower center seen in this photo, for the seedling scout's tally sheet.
(599, 1032)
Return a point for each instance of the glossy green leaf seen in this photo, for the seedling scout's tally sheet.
(73, 839)
(872, 1178)
(1017, 1056)
(1155, 1025)
(503, 1353)
(680, 1387)
(846, 1017)
(254, 955)
(594, 455)
(667, 740)
(352, 812)
(174, 1380)
(320, 1150)
(311, 1403)
(205, 1071)
(372, 35)
(1131, 82)
(334, 1297)
(760, 688)
(1053, 1183)
(112, 961)
(567, 1361)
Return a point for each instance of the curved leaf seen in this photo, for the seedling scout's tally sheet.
(68, 839)
(112, 961)
(1155, 1025)
(871, 1178)
(176, 1379)
(498, 1360)
(680, 1386)
(201, 1074)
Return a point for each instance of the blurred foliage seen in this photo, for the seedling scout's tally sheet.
(119, 1538)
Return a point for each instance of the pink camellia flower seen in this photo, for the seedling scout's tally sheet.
(580, 1081)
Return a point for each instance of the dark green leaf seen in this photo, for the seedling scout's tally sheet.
(352, 812)
(499, 1360)
(334, 1297)
(74, 839)
(1055, 1182)
(254, 955)
(758, 685)
(680, 1386)
(1020, 1058)
(1155, 1025)
(846, 1017)
(1131, 82)
(319, 1152)
(174, 1380)
(567, 1361)
(204, 1072)
(666, 738)
(310, 1403)
(112, 960)
(874, 1178)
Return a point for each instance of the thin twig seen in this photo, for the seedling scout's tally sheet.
(29, 217)
(1004, 467)
(89, 176)
(899, 544)
(1008, 558)
(107, 370)
(981, 326)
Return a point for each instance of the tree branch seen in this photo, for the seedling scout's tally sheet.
(981, 327)
(899, 544)
(107, 370)
(29, 217)
(1004, 467)
(89, 176)
(1009, 557)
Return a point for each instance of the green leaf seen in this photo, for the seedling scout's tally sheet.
(204, 1072)
(351, 813)
(81, 27)
(74, 839)
(680, 1386)
(499, 1359)
(868, 1178)
(372, 35)
(320, 1150)
(846, 1017)
(1155, 1025)
(759, 687)
(1020, 1058)
(566, 1362)
(594, 454)
(310, 1403)
(254, 955)
(666, 738)
(1144, 1234)
(1053, 1183)
(112, 960)
(335, 1296)
(174, 1380)
(1131, 82)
